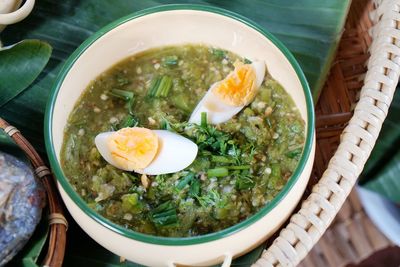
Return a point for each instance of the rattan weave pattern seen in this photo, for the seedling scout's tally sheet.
(359, 136)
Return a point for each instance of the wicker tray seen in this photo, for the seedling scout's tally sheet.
(365, 63)
(57, 223)
(352, 233)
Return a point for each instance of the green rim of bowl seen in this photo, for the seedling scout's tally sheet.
(181, 241)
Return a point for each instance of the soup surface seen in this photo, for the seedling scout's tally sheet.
(241, 164)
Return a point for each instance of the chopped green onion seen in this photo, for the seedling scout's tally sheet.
(155, 82)
(247, 61)
(218, 52)
(128, 96)
(122, 81)
(234, 151)
(163, 207)
(244, 183)
(165, 85)
(165, 125)
(123, 94)
(187, 179)
(170, 61)
(222, 159)
(165, 218)
(160, 86)
(241, 167)
(194, 189)
(128, 121)
(205, 152)
(164, 214)
(294, 153)
(130, 104)
(218, 172)
(212, 198)
(203, 121)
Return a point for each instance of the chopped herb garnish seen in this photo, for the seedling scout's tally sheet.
(222, 159)
(244, 182)
(241, 167)
(294, 153)
(165, 85)
(218, 52)
(211, 198)
(203, 121)
(123, 94)
(235, 152)
(130, 104)
(186, 180)
(155, 83)
(127, 121)
(170, 61)
(165, 125)
(122, 81)
(194, 189)
(218, 172)
(128, 96)
(160, 86)
(164, 214)
(205, 152)
(247, 61)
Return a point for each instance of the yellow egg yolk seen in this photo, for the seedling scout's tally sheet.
(133, 148)
(239, 87)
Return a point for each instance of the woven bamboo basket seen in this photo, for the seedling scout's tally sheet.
(350, 113)
(365, 71)
(57, 222)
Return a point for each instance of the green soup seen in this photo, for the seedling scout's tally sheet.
(241, 165)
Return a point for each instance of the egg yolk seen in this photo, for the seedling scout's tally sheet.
(239, 87)
(133, 148)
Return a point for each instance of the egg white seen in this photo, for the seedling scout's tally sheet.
(174, 154)
(217, 111)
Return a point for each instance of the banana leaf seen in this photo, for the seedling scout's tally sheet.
(20, 65)
(310, 29)
(381, 173)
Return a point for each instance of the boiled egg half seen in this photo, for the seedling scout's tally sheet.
(228, 97)
(146, 151)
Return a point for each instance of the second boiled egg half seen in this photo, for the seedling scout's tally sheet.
(228, 97)
(146, 151)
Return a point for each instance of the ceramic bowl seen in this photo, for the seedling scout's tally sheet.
(172, 25)
(12, 12)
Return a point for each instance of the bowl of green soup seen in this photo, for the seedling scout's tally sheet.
(181, 135)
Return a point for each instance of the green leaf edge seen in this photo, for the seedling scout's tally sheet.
(41, 57)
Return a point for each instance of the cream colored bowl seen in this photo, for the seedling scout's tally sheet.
(171, 25)
(12, 12)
